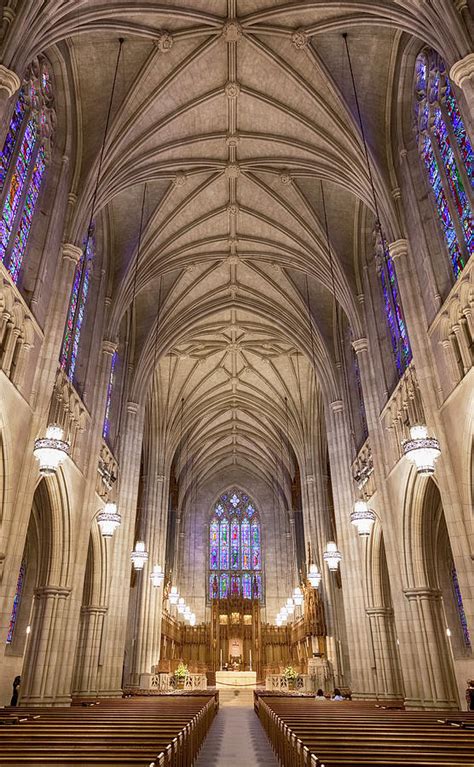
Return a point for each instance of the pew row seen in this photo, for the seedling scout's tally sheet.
(309, 733)
(162, 731)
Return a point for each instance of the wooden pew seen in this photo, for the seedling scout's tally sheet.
(309, 733)
(163, 731)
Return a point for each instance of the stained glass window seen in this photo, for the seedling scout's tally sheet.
(16, 602)
(235, 554)
(447, 156)
(394, 315)
(77, 305)
(460, 608)
(23, 164)
(110, 387)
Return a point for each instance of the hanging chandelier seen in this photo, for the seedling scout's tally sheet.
(51, 450)
(314, 576)
(298, 596)
(332, 556)
(108, 520)
(157, 576)
(362, 518)
(173, 595)
(139, 555)
(422, 450)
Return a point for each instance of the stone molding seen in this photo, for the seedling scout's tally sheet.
(360, 345)
(337, 406)
(300, 39)
(71, 252)
(180, 178)
(381, 611)
(94, 609)
(109, 347)
(9, 81)
(232, 170)
(422, 592)
(462, 71)
(285, 178)
(398, 249)
(165, 41)
(232, 89)
(133, 407)
(231, 31)
(232, 139)
(45, 592)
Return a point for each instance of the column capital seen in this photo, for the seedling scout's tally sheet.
(381, 611)
(462, 71)
(422, 593)
(360, 345)
(109, 347)
(94, 609)
(71, 252)
(43, 592)
(9, 81)
(337, 406)
(398, 248)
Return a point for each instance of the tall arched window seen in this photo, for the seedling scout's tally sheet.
(23, 162)
(235, 555)
(110, 388)
(16, 602)
(447, 156)
(77, 306)
(394, 316)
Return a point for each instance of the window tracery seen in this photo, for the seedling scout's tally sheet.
(235, 555)
(23, 162)
(447, 156)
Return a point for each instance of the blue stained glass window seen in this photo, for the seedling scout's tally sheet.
(394, 313)
(22, 168)
(446, 153)
(16, 602)
(235, 548)
(77, 305)
(110, 387)
(460, 608)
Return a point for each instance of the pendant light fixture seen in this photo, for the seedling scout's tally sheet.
(108, 520)
(422, 450)
(51, 451)
(298, 596)
(173, 596)
(314, 576)
(157, 576)
(139, 555)
(332, 556)
(363, 518)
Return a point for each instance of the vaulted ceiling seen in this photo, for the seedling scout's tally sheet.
(232, 112)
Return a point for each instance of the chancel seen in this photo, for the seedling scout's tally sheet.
(236, 382)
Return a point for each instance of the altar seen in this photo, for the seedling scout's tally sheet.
(245, 679)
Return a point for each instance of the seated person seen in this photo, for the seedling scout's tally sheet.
(337, 694)
(320, 695)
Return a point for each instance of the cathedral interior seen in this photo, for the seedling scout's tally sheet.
(236, 347)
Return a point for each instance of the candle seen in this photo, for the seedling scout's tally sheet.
(221, 658)
(250, 651)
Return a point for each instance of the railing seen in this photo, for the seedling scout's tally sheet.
(19, 332)
(279, 683)
(168, 682)
(68, 410)
(404, 409)
(453, 330)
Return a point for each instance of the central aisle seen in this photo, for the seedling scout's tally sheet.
(236, 736)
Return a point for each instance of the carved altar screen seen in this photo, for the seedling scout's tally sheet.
(235, 552)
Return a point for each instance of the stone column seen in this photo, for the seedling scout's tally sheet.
(150, 600)
(89, 650)
(110, 678)
(462, 75)
(387, 665)
(45, 680)
(352, 568)
(436, 687)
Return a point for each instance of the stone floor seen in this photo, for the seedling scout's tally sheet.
(236, 736)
